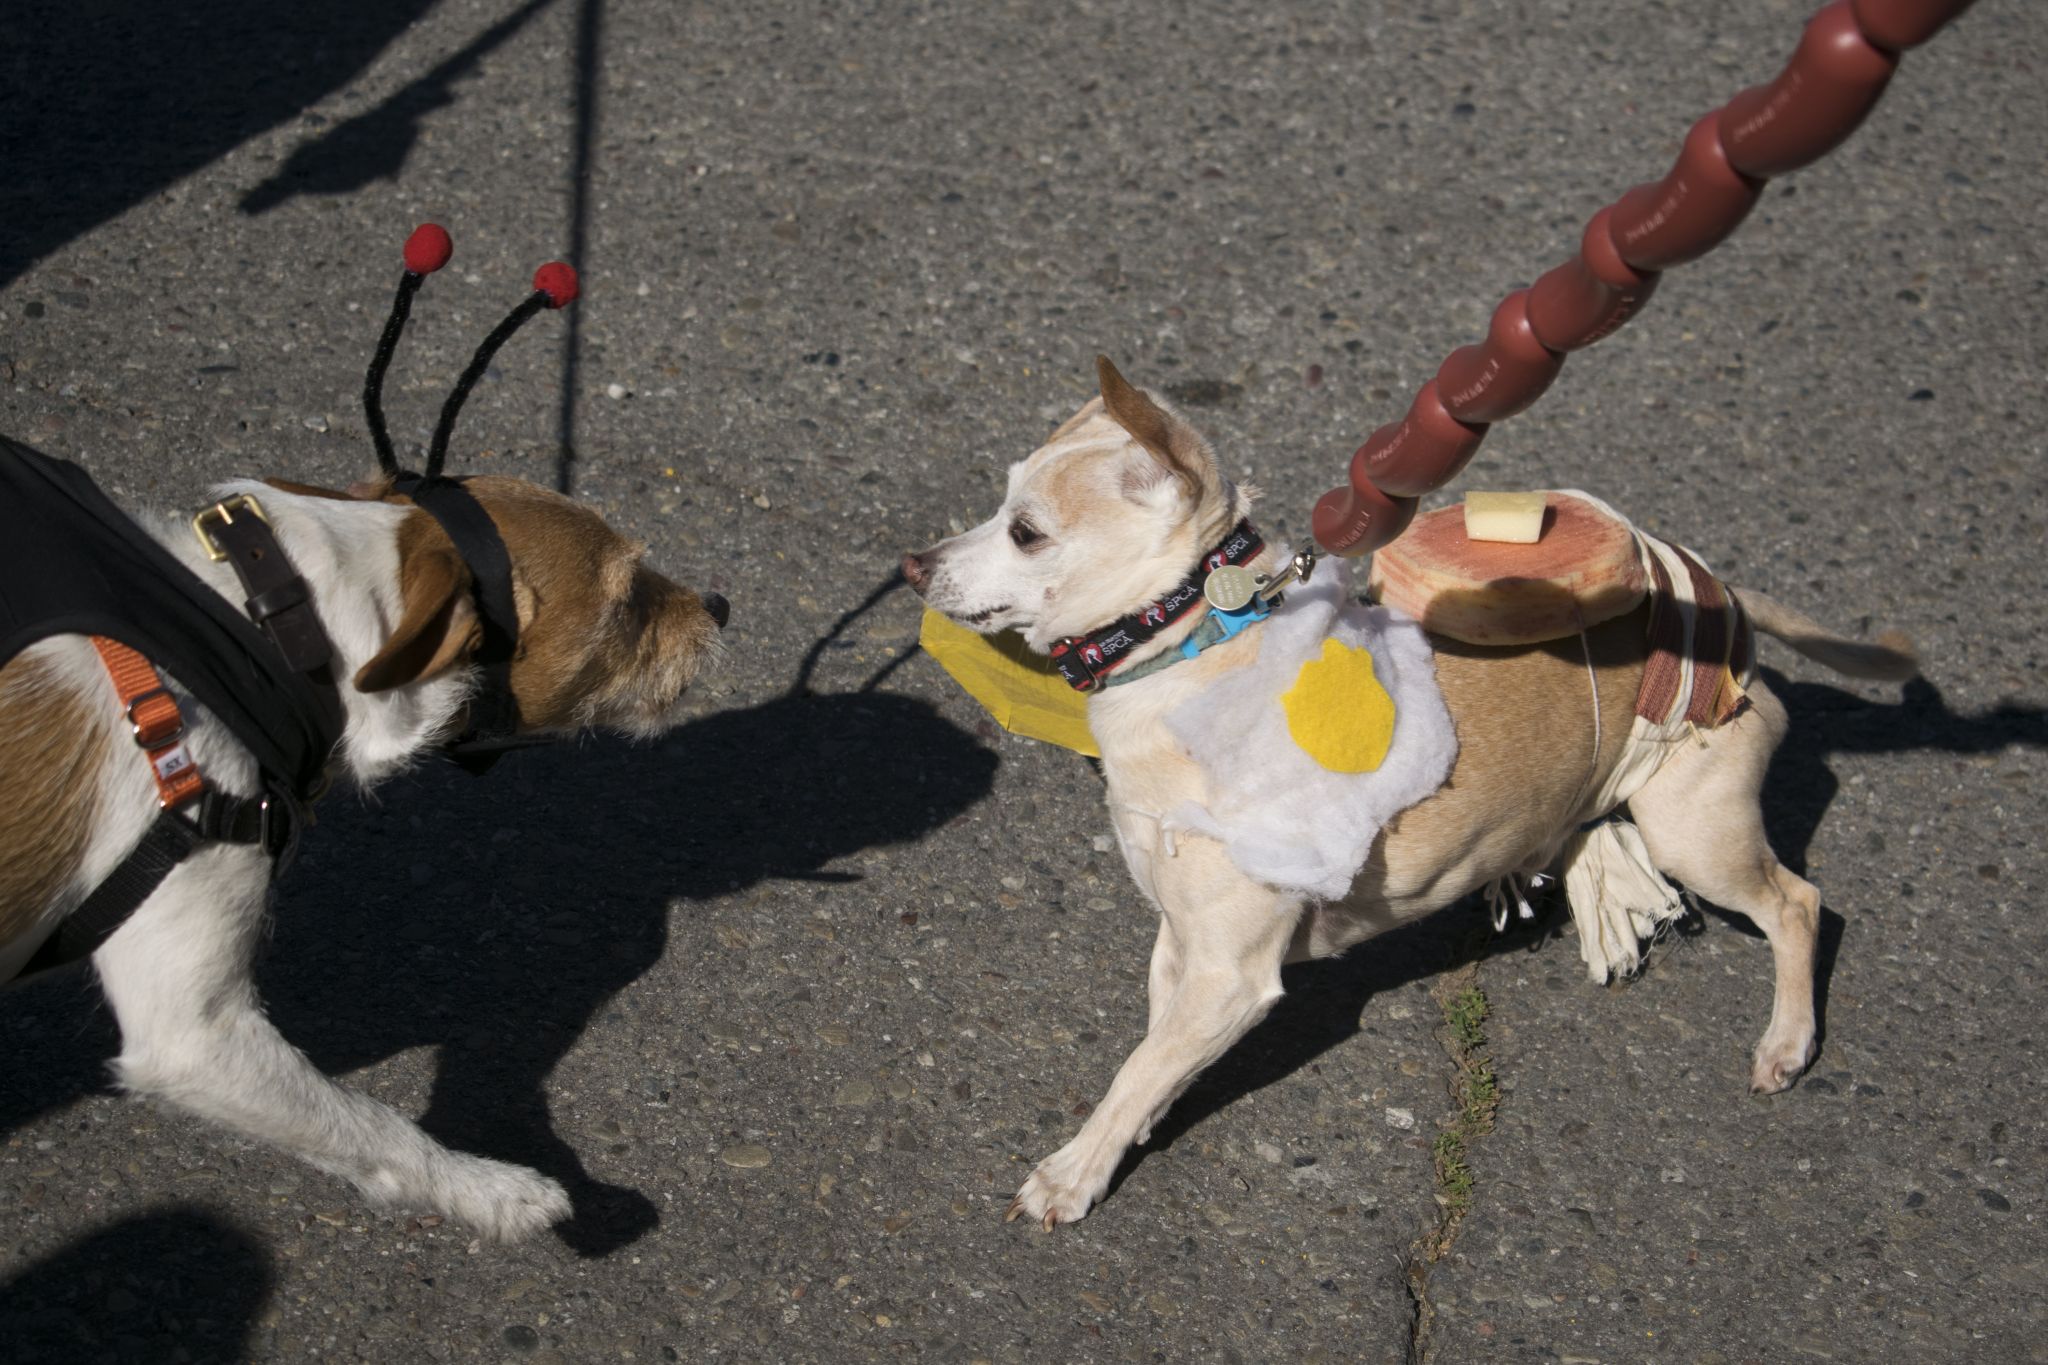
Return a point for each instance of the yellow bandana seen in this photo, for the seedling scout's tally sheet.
(1021, 691)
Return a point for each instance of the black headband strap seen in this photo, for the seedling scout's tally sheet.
(493, 710)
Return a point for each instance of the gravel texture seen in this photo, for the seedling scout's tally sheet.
(793, 999)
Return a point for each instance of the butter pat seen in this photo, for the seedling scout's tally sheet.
(1516, 518)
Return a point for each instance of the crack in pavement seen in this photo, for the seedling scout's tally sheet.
(1474, 1097)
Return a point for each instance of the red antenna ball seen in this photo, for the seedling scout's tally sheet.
(428, 249)
(557, 279)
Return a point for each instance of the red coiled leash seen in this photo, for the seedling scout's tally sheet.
(1843, 62)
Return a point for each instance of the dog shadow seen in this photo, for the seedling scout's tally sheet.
(177, 1284)
(1827, 720)
(493, 920)
(1325, 999)
(522, 907)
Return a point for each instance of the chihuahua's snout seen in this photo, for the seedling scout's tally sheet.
(916, 573)
(716, 607)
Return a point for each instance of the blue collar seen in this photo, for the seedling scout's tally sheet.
(1216, 627)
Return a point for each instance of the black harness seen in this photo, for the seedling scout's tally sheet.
(72, 563)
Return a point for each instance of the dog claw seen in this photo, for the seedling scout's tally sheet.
(1052, 1220)
(1016, 1208)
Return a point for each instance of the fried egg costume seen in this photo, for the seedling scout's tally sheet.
(1335, 729)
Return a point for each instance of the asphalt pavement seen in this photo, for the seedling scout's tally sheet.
(793, 999)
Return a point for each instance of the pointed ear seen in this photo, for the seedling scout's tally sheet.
(1171, 441)
(1088, 410)
(438, 628)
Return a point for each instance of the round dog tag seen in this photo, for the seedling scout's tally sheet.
(1230, 587)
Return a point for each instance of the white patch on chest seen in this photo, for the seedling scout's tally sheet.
(1284, 819)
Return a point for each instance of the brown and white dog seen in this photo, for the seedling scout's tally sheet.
(1112, 513)
(604, 642)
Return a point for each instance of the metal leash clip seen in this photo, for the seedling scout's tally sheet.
(1232, 587)
(1297, 570)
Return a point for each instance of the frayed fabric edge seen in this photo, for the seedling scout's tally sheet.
(1618, 898)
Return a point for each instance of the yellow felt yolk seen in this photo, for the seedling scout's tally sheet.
(1338, 712)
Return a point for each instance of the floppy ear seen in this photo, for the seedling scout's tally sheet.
(438, 628)
(1179, 451)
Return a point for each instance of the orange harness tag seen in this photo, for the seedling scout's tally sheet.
(154, 720)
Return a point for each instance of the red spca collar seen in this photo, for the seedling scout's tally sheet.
(1086, 661)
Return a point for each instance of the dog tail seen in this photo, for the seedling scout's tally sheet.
(1889, 658)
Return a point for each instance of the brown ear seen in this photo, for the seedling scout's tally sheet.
(438, 628)
(1151, 426)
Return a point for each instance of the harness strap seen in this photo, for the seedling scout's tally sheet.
(169, 841)
(217, 818)
(192, 813)
(154, 720)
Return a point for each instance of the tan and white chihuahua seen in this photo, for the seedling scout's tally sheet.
(605, 642)
(1113, 512)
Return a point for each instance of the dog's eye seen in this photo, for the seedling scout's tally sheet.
(1024, 535)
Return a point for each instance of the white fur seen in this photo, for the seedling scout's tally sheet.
(1284, 819)
(177, 974)
(1103, 503)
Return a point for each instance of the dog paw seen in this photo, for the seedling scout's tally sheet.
(1779, 1063)
(1061, 1190)
(501, 1201)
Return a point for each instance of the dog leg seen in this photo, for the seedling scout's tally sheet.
(1701, 822)
(194, 1034)
(1227, 945)
(1165, 973)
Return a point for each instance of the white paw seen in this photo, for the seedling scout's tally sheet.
(1061, 1190)
(1779, 1062)
(502, 1201)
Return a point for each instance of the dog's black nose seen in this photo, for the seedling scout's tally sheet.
(717, 608)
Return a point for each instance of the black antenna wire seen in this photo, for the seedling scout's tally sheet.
(437, 454)
(373, 382)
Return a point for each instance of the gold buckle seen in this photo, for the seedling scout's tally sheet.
(224, 513)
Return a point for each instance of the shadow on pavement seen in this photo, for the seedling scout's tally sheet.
(374, 145)
(492, 920)
(1826, 720)
(174, 1285)
(110, 103)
